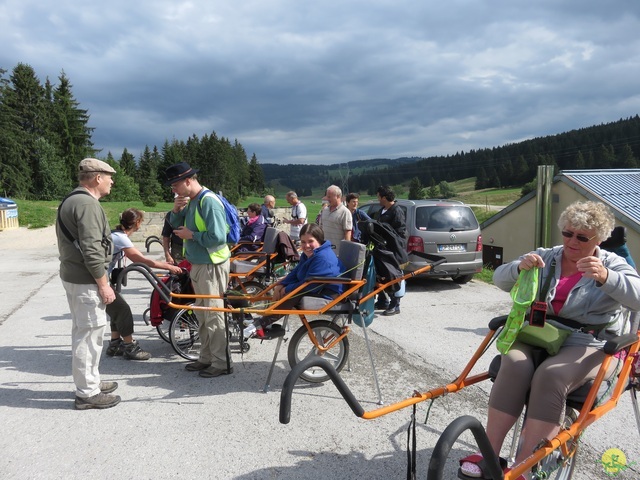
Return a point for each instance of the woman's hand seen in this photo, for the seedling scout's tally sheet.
(174, 269)
(592, 267)
(531, 260)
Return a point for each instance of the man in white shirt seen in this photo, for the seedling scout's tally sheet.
(298, 215)
(336, 220)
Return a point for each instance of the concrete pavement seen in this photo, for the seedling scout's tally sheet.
(172, 423)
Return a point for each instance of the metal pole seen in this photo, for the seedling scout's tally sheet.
(543, 206)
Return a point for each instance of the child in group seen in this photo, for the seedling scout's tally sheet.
(317, 260)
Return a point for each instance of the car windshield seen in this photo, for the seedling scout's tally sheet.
(445, 218)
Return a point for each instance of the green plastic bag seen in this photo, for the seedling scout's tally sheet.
(523, 295)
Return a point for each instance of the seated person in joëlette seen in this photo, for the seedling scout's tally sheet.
(588, 289)
(120, 316)
(254, 229)
(317, 260)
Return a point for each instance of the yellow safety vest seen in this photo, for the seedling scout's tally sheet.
(219, 253)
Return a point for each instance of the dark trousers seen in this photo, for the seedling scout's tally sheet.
(120, 316)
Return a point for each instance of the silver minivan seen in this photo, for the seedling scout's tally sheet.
(441, 227)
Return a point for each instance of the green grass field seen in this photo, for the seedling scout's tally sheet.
(39, 214)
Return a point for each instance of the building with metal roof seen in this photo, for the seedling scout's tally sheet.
(512, 231)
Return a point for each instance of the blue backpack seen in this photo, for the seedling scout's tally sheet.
(231, 213)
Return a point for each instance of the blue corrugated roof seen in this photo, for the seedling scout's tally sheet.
(620, 189)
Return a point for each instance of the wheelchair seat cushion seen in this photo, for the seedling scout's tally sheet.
(245, 266)
(317, 303)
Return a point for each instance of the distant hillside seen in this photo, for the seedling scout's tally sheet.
(611, 145)
(309, 179)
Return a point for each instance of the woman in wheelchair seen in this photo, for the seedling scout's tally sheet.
(317, 260)
(588, 288)
(253, 232)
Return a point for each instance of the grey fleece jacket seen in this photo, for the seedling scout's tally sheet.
(86, 221)
(589, 302)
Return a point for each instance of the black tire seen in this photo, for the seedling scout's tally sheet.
(301, 346)
(163, 330)
(183, 334)
(453, 444)
(251, 288)
(462, 279)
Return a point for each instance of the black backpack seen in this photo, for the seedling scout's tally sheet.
(389, 254)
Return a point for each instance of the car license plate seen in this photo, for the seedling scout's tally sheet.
(454, 247)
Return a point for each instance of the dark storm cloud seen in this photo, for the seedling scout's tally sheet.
(334, 81)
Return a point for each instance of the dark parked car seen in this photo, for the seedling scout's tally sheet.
(441, 227)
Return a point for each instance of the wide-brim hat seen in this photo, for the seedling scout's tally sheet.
(178, 172)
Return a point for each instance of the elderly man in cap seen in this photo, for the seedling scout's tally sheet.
(84, 243)
(198, 217)
(267, 209)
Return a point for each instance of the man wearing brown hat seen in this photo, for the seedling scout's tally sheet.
(84, 243)
(198, 217)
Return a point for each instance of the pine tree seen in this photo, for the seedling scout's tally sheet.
(128, 164)
(416, 191)
(24, 101)
(125, 188)
(432, 191)
(150, 189)
(70, 126)
(51, 181)
(15, 179)
(626, 159)
(256, 176)
(481, 179)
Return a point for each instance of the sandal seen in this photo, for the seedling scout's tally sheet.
(472, 466)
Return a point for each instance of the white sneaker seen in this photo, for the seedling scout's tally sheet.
(249, 331)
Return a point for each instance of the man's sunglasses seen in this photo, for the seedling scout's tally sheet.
(579, 237)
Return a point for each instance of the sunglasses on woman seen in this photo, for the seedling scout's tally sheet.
(579, 237)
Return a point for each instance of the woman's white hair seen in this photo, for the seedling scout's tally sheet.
(588, 216)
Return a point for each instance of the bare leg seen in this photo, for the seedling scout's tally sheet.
(533, 433)
(498, 425)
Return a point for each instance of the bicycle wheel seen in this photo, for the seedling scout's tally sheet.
(163, 330)
(183, 334)
(301, 346)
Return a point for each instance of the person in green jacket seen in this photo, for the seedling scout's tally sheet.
(84, 243)
(198, 217)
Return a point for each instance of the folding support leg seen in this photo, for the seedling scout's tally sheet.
(265, 389)
(634, 402)
(373, 365)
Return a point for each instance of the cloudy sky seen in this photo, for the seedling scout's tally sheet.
(327, 81)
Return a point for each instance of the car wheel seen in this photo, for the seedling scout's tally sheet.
(462, 279)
